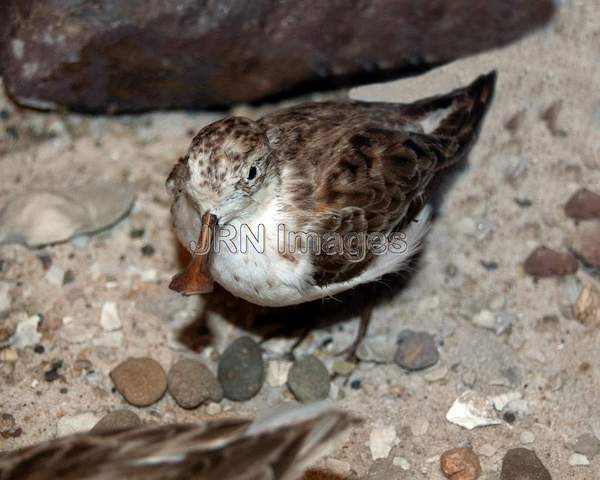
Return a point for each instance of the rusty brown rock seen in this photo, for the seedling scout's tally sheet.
(460, 464)
(583, 205)
(115, 56)
(545, 262)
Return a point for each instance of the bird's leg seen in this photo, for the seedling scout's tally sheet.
(366, 314)
(196, 278)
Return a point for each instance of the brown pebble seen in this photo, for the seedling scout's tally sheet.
(117, 420)
(142, 381)
(522, 463)
(191, 383)
(587, 307)
(544, 262)
(460, 464)
(583, 205)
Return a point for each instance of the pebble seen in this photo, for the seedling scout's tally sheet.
(436, 374)
(191, 383)
(381, 441)
(82, 422)
(213, 408)
(471, 411)
(142, 381)
(277, 372)
(241, 370)
(523, 464)
(544, 262)
(587, 307)
(377, 349)
(501, 401)
(117, 420)
(460, 464)
(416, 350)
(485, 319)
(588, 445)
(527, 437)
(583, 205)
(9, 355)
(38, 218)
(338, 467)
(26, 334)
(578, 460)
(109, 317)
(343, 367)
(401, 462)
(309, 380)
(587, 243)
(570, 289)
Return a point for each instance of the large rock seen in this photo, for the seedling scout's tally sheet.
(115, 55)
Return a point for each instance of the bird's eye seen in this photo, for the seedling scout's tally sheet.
(252, 173)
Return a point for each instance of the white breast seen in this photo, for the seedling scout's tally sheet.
(248, 262)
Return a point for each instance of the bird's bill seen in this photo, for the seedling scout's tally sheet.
(196, 278)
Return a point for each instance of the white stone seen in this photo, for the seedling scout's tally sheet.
(109, 317)
(401, 462)
(381, 441)
(527, 437)
(471, 411)
(26, 334)
(55, 276)
(38, 218)
(578, 460)
(485, 319)
(502, 400)
(213, 408)
(277, 372)
(82, 422)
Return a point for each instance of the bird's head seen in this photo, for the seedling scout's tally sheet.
(227, 165)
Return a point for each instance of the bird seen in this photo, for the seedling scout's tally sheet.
(315, 199)
(280, 446)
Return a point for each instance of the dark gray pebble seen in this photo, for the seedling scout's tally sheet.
(309, 379)
(241, 370)
(416, 350)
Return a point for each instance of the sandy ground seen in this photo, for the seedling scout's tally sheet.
(554, 364)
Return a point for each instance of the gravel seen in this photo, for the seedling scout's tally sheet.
(191, 383)
(241, 370)
(141, 381)
(309, 379)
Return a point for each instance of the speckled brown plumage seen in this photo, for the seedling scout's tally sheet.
(224, 450)
(360, 167)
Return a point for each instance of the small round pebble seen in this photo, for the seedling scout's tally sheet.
(343, 368)
(578, 460)
(460, 464)
(241, 370)
(309, 379)
(117, 420)
(416, 351)
(191, 383)
(527, 437)
(141, 381)
(583, 205)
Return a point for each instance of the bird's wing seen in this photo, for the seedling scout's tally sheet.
(226, 450)
(376, 178)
